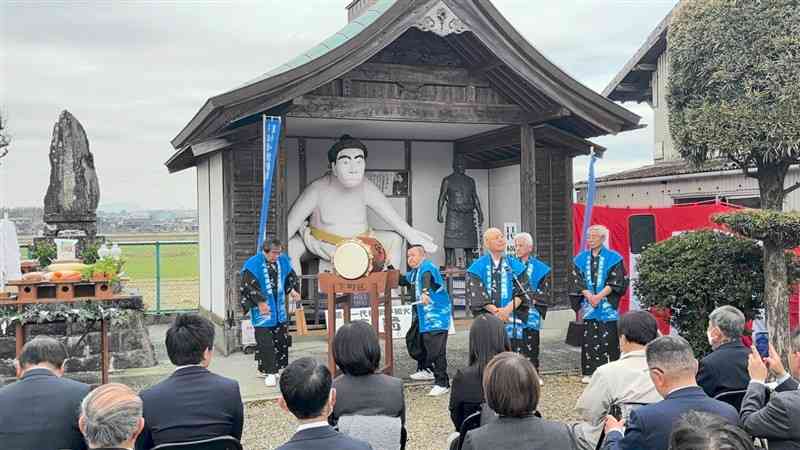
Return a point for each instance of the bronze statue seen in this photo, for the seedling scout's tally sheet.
(458, 192)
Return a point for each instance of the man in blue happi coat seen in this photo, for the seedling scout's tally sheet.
(492, 286)
(599, 274)
(538, 290)
(433, 314)
(267, 278)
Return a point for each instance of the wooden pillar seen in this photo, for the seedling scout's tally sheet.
(104, 349)
(527, 181)
(409, 206)
(281, 207)
(568, 200)
(302, 172)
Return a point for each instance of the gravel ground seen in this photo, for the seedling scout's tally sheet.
(428, 419)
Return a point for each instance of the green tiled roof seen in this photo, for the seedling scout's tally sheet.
(339, 38)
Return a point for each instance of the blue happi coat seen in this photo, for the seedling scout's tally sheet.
(604, 312)
(482, 268)
(435, 316)
(257, 266)
(536, 271)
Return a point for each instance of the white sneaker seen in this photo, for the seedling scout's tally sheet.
(586, 379)
(438, 390)
(541, 382)
(423, 375)
(271, 380)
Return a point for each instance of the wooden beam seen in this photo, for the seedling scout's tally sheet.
(630, 88)
(527, 180)
(354, 108)
(645, 67)
(548, 115)
(565, 140)
(487, 140)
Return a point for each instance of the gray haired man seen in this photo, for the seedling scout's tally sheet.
(111, 417)
(724, 369)
(672, 368)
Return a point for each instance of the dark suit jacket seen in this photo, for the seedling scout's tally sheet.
(514, 433)
(777, 420)
(650, 426)
(192, 404)
(41, 411)
(323, 438)
(724, 369)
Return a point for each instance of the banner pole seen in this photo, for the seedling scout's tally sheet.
(591, 187)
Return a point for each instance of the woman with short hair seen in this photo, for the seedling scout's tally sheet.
(511, 387)
(360, 390)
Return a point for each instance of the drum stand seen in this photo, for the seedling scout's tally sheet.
(371, 284)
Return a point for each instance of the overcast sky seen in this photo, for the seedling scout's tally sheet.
(135, 72)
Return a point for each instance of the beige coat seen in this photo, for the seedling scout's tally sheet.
(626, 380)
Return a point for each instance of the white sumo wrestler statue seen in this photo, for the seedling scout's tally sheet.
(333, 208)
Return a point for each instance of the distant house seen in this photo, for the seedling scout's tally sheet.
(669, 180)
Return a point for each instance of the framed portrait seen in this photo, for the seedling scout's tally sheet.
(392, 183)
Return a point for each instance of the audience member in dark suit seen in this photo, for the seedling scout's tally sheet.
(487, 338)
(360, 390)
(776, 419)
(307, 394)
(40, 411)
(673, 370)
(703, 431)
(725, 368)
(511, 386)
(111, 417)
(193, 403)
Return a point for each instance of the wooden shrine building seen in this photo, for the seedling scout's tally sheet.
(418, 81)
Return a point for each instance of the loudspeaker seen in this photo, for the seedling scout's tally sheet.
(642, 232)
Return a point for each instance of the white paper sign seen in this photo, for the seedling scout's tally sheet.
(510, 229)
(401, 319)
(248, 333)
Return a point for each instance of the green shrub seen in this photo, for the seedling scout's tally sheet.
(44, 252)
(695, 272)
(782, 228)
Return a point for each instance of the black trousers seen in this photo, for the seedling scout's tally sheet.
(600, 345)
(435, 344)
(528, 346)
(272, 348)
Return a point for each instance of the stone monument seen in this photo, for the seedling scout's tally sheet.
(70, 215)
(73, 194)
(459, 195)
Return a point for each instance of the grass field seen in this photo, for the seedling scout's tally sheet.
(179, 268)
(178, 261)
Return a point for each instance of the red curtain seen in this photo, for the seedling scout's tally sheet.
(668, 221)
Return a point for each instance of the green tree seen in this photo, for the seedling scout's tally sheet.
(734, 92)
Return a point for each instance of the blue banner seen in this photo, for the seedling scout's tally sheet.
(591, 187)
(271, 137)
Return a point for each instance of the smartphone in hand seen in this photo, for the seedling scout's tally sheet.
(762, 344)
(616, 412)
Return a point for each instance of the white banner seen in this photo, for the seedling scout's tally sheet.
(401, 319)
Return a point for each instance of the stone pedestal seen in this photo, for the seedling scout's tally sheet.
(129, 344)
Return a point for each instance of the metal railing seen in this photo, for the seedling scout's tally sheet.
(165, 273)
